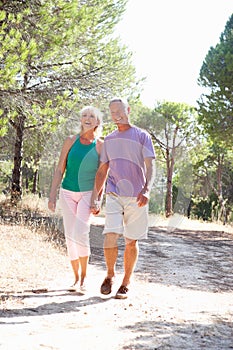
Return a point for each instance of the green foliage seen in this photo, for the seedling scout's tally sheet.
(181, 200)
(56, 56)
(216, 75)
(156, 205)
(213, 176)
(171, 126)
(62, 53)
(3, 124)
(202, 209)
(5, 174)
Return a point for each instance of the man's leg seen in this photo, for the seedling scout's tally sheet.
(130, 259)
(110, 254)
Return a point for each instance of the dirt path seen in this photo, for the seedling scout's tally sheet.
(181, 296)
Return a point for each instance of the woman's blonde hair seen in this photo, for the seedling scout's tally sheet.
(98, 114)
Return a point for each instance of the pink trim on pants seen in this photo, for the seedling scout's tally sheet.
(76, 214)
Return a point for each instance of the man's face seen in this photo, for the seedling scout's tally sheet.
(119, 114)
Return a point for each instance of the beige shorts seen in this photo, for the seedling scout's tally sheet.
(124, 217)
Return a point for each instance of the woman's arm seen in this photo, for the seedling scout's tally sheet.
(59, 172)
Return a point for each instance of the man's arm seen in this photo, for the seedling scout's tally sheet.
(143, 196)
(100, 179)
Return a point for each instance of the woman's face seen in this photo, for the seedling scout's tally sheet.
(88, 120)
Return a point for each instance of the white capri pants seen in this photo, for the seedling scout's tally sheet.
(76, 214)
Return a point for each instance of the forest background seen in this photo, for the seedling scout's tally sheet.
(57, 56)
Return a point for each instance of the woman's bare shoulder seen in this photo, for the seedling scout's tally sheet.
(71, 137)
(69, 140)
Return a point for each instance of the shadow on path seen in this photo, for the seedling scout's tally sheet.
(53, 308)
(151, 335)
(201, 260)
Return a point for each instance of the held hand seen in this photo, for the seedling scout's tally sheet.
(52, 205)
(142, 199)
(95, 211)
(95, 207)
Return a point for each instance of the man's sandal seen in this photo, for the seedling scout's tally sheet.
(106, 287)
(122, 293)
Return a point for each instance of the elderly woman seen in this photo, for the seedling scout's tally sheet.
(76, 170)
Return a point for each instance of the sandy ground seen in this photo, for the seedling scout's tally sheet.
(181, 296)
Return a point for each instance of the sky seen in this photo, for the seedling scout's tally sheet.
(170, 40)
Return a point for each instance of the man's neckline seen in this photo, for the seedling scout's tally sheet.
(126, 129)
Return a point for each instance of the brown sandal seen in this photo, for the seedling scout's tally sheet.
(122, 293)
(106, 287)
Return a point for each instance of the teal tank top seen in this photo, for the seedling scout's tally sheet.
(81, 166)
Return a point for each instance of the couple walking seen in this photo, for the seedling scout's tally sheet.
(123, 167)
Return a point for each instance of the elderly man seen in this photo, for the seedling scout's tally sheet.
(127, 167)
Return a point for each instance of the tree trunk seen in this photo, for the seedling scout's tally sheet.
(36, 165)
(168, 208)
(170, 159)
(16, 189)
(222, 213)
(35, 181)
(169, 195)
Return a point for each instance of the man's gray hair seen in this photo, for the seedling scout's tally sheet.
(122, 100)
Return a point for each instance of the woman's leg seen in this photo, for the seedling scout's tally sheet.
(69, 208)
(83, 217)
(83, 263)
(75, 267)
